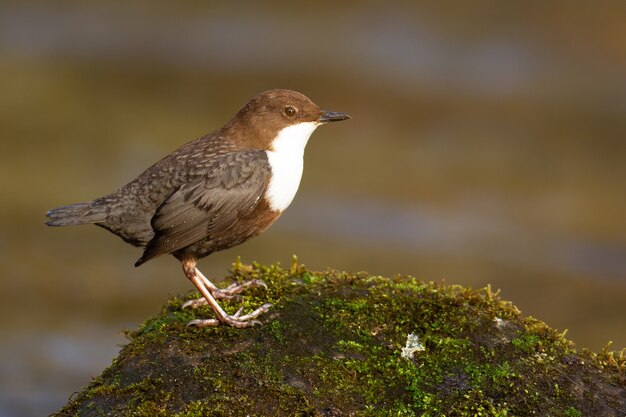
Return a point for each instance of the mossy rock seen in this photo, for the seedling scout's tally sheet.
(338, 343)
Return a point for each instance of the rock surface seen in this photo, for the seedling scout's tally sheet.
(338, 343)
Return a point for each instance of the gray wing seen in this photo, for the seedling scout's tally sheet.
(208, 207)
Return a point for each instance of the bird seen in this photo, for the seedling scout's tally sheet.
(213, 193)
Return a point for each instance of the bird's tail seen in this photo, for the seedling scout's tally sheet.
(74, 214)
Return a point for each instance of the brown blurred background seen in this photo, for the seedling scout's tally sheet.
(487, 146)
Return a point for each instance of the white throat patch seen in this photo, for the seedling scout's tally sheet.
(286, 159)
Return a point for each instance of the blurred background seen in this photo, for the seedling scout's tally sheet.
(487, 146)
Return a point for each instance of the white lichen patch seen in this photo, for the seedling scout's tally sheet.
(413, 345)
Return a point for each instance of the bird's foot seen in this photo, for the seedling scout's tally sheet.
(227, 293)
(236, 320)
(210, 292)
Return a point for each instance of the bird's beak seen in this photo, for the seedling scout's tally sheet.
(333, 116)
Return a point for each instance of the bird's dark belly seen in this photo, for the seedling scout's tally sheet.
(243, 229)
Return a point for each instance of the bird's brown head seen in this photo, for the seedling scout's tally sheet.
(269, 113)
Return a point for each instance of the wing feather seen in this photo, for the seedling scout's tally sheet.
(207, 208)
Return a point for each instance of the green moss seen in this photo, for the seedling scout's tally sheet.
(332, 343)
(573, 412)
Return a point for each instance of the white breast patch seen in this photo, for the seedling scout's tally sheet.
(286, 159)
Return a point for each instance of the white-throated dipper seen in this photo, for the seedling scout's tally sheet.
(213, 193)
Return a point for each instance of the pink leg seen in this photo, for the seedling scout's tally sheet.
(227, 293)
(206, 288)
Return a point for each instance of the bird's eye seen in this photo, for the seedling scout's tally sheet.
(290, 111)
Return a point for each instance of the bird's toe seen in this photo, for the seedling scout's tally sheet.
(195, 303)
(202, 323)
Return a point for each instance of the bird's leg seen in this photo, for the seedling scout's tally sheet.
(227, 293)
(236, 320)
(212, 288)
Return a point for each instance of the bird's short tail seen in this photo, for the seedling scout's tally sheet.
(74, 214)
